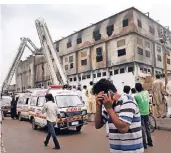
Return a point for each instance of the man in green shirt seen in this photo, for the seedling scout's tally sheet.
(142, 99)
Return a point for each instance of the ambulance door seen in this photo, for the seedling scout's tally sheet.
(42, 117)
(32, 110)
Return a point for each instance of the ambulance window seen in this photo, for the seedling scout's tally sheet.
(41, 101)
(33, 101)
(27, 100)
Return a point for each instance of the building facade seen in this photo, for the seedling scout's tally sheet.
(125, 42)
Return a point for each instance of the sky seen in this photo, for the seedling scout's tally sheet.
(18, 20)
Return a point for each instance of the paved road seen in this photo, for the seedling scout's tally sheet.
(20, 138)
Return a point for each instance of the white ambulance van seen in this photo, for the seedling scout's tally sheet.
(72, 110)
(23, 106)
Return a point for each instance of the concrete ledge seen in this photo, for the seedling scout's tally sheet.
(163, 124)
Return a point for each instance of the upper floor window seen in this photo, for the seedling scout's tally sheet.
(125, 23)
(79, 40)
(151, 30)
(147, 53)
(69, 44)
(159, 58)
(57, 48)
(71, 65)
(70, 59)
(139, 23)
(110, 30)
(66, 67)
(99, 54)
(66, 59)
(130, 69)
(84, 62)
(168, 61)
(121, 43)
(96, 35)
(121, 52)
(158, 48)
(147, 44)
(140, 51)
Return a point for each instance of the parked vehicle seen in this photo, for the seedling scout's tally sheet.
(23, 106)
(6, 105)
(72, 110)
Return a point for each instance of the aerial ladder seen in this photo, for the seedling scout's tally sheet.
(50, 53)
(23, 44)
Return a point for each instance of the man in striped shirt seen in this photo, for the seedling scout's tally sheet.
(122, 114)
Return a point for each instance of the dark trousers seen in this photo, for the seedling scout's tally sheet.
(146, 130)
(51, 132)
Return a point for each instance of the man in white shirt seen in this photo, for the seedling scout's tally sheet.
(51, 110)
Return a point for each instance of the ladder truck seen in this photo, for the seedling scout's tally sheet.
(23, 44)
(49, 52)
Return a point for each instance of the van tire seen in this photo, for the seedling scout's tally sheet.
(78, 128)
(34, 126)
(19, 117)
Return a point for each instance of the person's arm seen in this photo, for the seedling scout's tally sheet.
(100, 117)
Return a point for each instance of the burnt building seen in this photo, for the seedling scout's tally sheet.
(125, 42)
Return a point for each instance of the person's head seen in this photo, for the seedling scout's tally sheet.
(91, 83)
(158, 76)
(133, 90)
(139, 87)
(126, 89)
(49, 97)
(103, 85)
(85, 87)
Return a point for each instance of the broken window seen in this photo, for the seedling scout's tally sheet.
(98, 74)
(88, 76)
(125, 23)
(96, 35)
(121, 52)
(104, 73)
(84, 62)
(94, 75)
(140, 51)
(99, 55)
(79, 40)
(147, 53)
(116, 71)
(139, 23)
(71, 65)
(110, 30)
(130, 69)
(122, 70)
(111, 73)
(69, 44)
(75, 79)
(83, 77)
(159, 58)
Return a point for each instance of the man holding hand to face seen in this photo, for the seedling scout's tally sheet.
(122, 114)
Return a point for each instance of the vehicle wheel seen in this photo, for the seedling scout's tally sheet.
(152, 123)
(19, 117)
(34, 126)
(78, 128)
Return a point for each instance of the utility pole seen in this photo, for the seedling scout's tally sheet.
(163, 40)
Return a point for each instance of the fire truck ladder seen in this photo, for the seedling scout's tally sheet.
(10, 74)
(58, 77)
